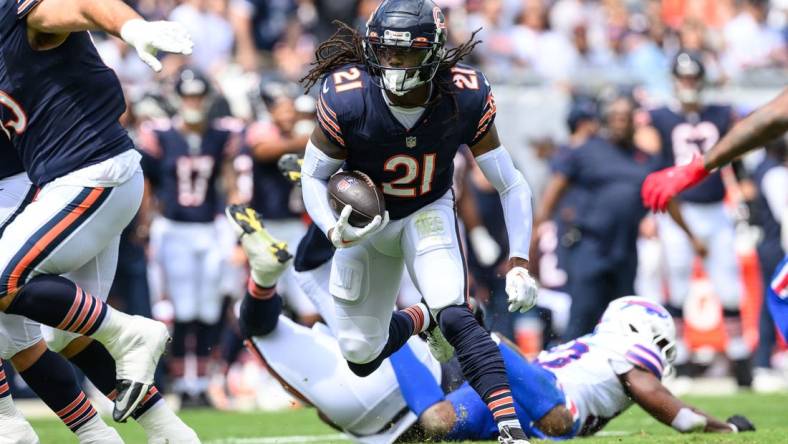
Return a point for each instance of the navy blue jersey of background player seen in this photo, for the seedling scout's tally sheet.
(185, 170)
(684, 136)
(9, 161)
(413, 167)
(60, 106)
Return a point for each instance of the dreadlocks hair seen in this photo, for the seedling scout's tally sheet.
(346, 46)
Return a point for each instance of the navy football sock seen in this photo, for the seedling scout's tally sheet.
(97, 364)
(54, 382)
(404, 324)
(59, 303)
(480, 360)
(416, 383)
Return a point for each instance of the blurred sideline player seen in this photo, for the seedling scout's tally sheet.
(571, 390)
(285, 130)
(186, 159)
(60, 108)
(688, 128)
(50, 376)
(395, 105)
(762, 126)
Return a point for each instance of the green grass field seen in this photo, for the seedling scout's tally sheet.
(769, 413)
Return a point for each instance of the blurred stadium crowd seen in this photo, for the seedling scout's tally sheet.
(554, 66)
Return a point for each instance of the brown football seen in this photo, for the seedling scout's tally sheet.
(356, 189)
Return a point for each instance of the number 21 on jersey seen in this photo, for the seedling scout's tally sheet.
(417, 179)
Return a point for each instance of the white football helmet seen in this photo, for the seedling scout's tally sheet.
(643, 318)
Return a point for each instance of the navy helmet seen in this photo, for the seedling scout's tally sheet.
(405, 44)
(192, 82)
(689, 74)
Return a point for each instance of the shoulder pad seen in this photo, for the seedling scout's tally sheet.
(341, 100)
(475, 100)
(646, 357)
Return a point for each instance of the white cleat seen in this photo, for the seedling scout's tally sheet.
(136, 343)
(510, 435)
(14, 429)
(766, 380)
(106, 435)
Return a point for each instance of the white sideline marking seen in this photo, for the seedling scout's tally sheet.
(282, 439)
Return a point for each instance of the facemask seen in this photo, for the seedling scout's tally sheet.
(398, 82)
(689, 96)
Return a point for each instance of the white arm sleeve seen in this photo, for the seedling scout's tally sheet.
(315, 172)
(516, 198)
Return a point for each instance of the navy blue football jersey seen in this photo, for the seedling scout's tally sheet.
(273, 196)
(9, 161)
(414, 166)
(184, 168)
(682, 137)
(60, 107)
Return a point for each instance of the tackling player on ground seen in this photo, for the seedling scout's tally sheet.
(571, 390)
(395, 104)
(760, 127)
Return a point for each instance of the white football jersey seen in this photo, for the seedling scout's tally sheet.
(588, 371)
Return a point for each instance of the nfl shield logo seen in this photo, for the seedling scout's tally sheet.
(343, 185)
(410, 142)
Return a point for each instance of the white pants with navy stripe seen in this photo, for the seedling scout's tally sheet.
(714, 226)
(365, 279)
(191, 263)
(72, 228)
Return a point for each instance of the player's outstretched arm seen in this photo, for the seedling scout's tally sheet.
(60, 17)
(648, 392)
(763, 125)
(516, 199)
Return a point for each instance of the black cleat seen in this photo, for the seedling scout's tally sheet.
(130, 394)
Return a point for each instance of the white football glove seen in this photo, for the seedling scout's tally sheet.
(148, 38)
(484, 246)
(344, 235)
(521, 289)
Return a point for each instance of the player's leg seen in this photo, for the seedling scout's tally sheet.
(53, 380)
(59, 232)
(678, 259)
(723, 268)
(364, 283)
(180, 261)
(435, 259)
(15, 427)
(159, 422)
(209, 312)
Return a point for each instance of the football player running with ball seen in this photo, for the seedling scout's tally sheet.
(395, 104)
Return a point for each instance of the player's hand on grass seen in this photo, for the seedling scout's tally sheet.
(662, 186)
(521, 289)
(344, 235)
(740, 423)
(148, 38)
